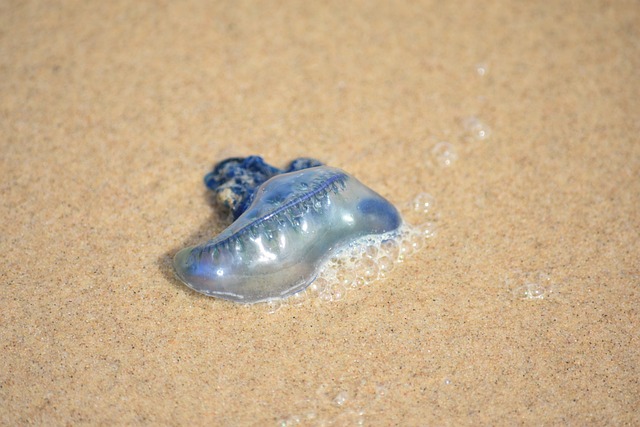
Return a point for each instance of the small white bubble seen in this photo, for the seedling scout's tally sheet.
(360, 281)
(369, 270)
(338, 292)
(531, 285)
(421, 208)
(318, 285)
(345, 277)
(482, 69)
(391, 249)
(530, 291)
(371, 252)
(326, 295)
(475, 128)
(292, 420)
(381, 391)
(415, 242)
(385, 265)
(274, 305)
(423, 203)
(298, 299)
(444, 153)
(427, 229)
(341, 398)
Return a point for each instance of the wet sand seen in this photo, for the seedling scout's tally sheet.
(523, 309)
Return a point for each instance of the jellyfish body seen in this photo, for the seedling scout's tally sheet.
(295, 222)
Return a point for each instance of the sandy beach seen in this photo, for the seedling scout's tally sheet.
(520, 119)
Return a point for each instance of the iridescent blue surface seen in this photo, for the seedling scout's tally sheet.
(295, 222)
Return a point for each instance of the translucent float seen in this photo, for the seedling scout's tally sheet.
(295, 223)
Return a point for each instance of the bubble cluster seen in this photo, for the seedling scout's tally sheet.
(346, 402)
(445, 152)
(530, 285)
(530, 291)
(370, 258)
(291, 420)
(362, 263)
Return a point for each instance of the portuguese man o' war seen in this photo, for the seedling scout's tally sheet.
(288, 224)
(235, 180)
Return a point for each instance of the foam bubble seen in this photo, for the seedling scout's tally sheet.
(318, 286)
(274, 305)
(420, 210)
(385, 265)
(444, 154)
(482, 69)
(335, 292)
(298, 298)
(531, 285)
(291, 420)
(341, 398)
(530, 291)
(475, 129)
(423, 203)
(369, 271)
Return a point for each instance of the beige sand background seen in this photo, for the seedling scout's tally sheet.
(112, 112)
